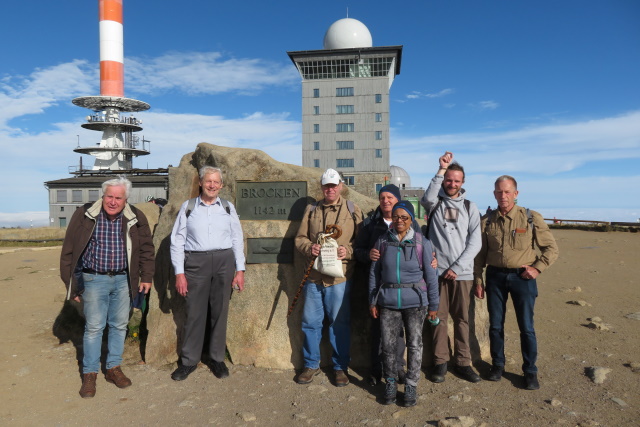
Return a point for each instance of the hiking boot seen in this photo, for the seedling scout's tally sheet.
(88, 388)
(390, 392)
(341, 378)
(219, 369)
(495, 373)
(183, 372)
(117, 377)
(307, 374)
(402, 376)
(467, 373)
(531, 381)
(439, 371)
(410, 395)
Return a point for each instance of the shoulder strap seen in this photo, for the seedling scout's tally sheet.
(430, 217)
(467, 205)
(190, 206)
(533, 229)
(419, 248)
(225, 205)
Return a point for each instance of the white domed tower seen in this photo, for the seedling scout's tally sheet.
(345, 104)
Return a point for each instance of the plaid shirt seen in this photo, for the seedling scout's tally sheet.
(106, 250)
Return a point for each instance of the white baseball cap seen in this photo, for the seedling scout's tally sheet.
(331, 176)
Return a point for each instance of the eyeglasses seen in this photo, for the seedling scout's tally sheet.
(402, 218)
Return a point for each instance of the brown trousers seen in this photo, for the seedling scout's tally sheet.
(455, 296)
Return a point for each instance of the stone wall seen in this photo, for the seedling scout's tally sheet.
(259, 331)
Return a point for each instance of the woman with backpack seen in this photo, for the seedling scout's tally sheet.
(403, 290)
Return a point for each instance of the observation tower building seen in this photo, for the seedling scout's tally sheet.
(345, 104)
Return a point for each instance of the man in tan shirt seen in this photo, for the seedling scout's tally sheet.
(509, 236)
(327, 296)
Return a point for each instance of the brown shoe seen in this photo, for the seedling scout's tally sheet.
(88, 388)
(341, 378)
(306, 376)
(117, 377)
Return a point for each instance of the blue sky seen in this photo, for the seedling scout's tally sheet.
(547, 91)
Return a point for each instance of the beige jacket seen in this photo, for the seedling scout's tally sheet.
(509, 241)
(314, 222)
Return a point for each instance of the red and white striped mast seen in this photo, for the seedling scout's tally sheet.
(118, 145)
(111, 48)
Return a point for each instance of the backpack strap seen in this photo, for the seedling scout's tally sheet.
(467, 206)
(192, 204)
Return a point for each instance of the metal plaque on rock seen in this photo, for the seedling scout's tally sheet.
(279, 200)
(269, 250)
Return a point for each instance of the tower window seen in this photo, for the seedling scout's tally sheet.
(344, 109)
(316, 128)
(316, 110)
(316, 93)
(344, 91)
(345, 127)
(316, 163)
(344, 145)
(378, 135)
(378, 117)
(349, 179)
(344, 163)
(378, 98)
(378, 153)
(316, 145)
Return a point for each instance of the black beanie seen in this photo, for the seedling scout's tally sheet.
(390, 188)
(407, 206)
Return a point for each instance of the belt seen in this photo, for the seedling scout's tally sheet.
(505, 270)
(104, 273)
(212, 251)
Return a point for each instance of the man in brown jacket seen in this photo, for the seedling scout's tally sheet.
(509, 237)
(323, 294)
(107, 259)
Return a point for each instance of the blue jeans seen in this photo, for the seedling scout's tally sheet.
(334, 302)
(106, 301)
(523, 293)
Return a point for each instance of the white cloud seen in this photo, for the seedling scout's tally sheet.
(416, 94)
(485, 105)
(538, 150)
(206, 73)
(42, 89)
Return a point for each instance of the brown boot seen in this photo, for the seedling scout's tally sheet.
(88, 388)
(307, 375)
(117, 377)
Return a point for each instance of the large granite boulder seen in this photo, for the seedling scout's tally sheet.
(259, 331)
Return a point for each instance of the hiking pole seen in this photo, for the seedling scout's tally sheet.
(333, 231)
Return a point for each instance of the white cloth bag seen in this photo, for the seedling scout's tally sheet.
(327, 262)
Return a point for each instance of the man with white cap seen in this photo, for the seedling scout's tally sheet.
(326, 295)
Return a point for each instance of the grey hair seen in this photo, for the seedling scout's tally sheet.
(120, 181)
(507, 178)
(206, 170)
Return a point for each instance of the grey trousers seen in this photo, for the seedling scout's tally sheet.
(391, 321)
(209, 276)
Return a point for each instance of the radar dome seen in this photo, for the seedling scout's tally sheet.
(347, 33)
(400, 177)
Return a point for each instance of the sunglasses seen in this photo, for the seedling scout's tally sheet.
(401, 217)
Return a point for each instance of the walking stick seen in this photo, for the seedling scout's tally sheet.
(333, 231)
